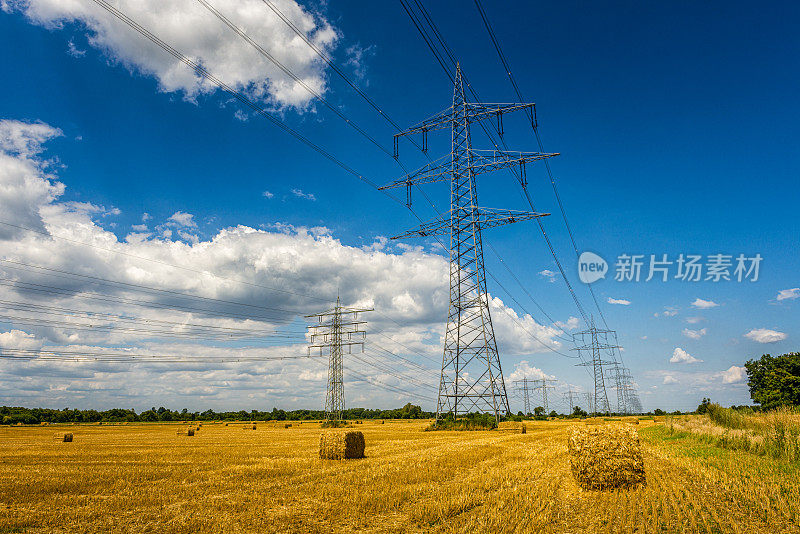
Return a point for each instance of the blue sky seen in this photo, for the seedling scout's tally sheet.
(676, 125)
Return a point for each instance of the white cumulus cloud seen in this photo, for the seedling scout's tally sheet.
(681, 356)
(623, 302)
(183, 219)
(525, 370)
(733, 375)
(765, 335)
(704, 304)
(197, 33)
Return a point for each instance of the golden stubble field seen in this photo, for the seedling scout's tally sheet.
(146, 478)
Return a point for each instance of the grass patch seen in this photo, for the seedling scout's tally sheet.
(334, 424)
(468, 422)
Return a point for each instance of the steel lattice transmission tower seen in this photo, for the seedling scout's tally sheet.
(335, 330)
(632, 401)
(622, 401)
(589, 402)
(570, 397)
(471, 377)
(597, 348)
(523, 387)
(542, 384)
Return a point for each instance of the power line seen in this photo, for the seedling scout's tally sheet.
(201, 71)
(292, 75)
(535, 128)
(451, 56)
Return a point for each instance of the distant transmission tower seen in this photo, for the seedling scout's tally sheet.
(595, 349)
(570, 396)
(631, 396)
(589, 403)
(524, 387)
(471, 377)
(542, 384)
(335, 330)
(622, 404)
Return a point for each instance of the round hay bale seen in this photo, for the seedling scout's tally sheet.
(287, 425)
(341, 445)
(190, 432)
(66, 437)
(606, 457)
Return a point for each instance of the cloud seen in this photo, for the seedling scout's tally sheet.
(240, 278)
(300, 194)
(139, 227)
(25, 185)
(74, 51)
(197, 33)
(668, 312)
(733, 375)
(548, 274)
(704, 304)
(764, 335)
(267, 194)
(619, 301)
(25, 139)
(681, 356)
(571, 324)
(694, 320)
(694, 334)
(669, 379)
(356, 58)
(183, 219)
(525, 370)
(17, 339)
(789, 294)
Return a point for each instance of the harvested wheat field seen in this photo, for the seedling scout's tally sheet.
(148, 478)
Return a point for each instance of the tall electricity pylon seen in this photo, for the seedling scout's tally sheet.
(589, 403)
(542, 384)
(632, 401)
(524, 387)
(570, 397)
(617, 370)
(595, 349)
(471, 377)
(334, 331)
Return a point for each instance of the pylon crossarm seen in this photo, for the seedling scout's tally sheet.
(485, 217)
(474, 112)
(484, 161)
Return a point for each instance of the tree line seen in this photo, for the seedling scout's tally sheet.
(30, 416)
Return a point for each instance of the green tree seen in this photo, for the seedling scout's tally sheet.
(703, 407)
(538, 411)
(579, 412)
(774, 380)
